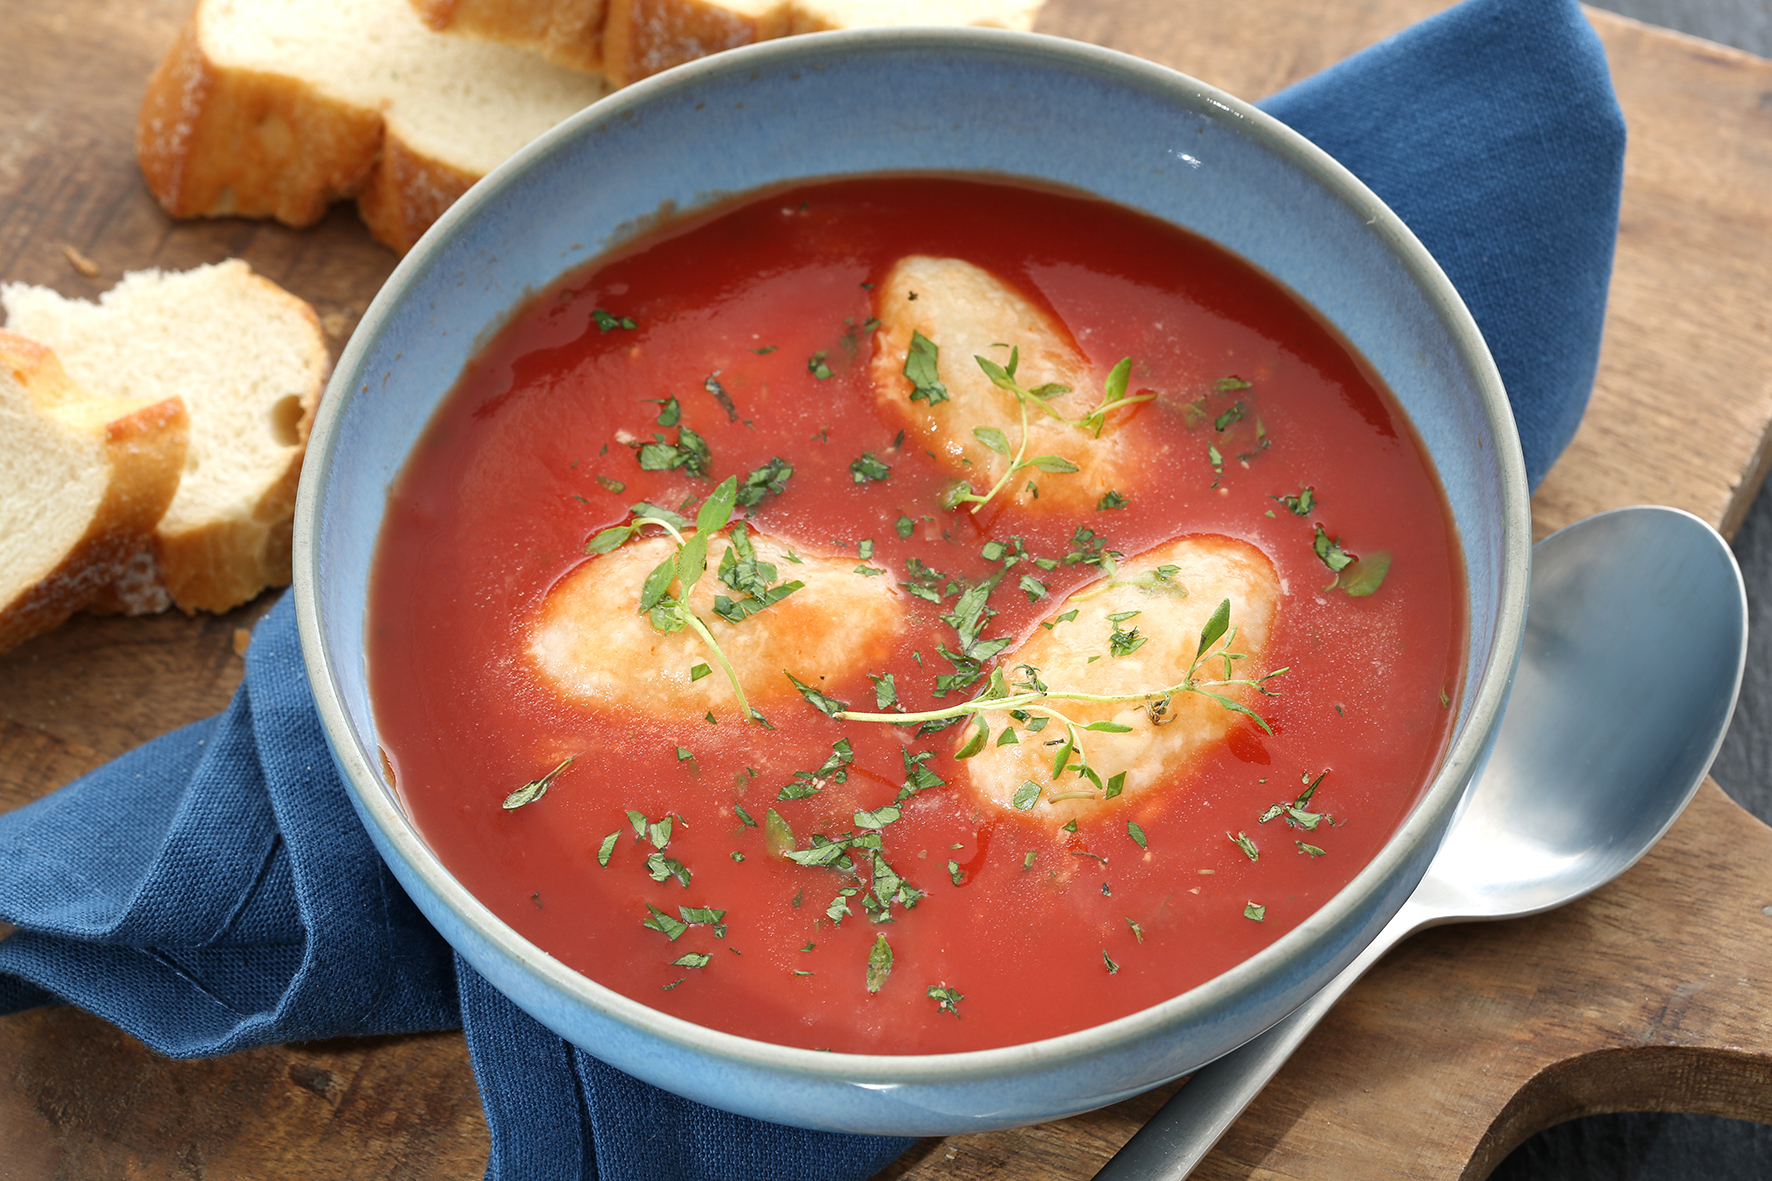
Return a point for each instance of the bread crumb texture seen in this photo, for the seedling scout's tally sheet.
(246, 361)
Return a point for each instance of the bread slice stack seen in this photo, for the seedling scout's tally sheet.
(630, 39)
(154, 441)
(83, 479)
(278, 108)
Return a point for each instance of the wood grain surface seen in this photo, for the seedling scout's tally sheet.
(1460, 1044)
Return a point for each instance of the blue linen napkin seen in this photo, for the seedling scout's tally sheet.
(213, 890)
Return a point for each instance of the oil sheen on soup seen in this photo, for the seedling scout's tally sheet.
(1071, 614)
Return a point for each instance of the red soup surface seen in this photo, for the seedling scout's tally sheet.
(833, 883)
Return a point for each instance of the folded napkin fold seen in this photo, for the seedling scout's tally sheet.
(213, 890)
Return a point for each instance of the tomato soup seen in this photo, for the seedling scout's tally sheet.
(811, 877)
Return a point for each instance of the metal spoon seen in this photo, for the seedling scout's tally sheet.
(1635, 641)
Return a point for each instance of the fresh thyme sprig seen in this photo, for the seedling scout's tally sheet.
(1003, 377)
(920, 367)
(1030, 695)
(1113, 396)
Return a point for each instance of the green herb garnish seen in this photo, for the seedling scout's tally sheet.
(535, 789)
(690, 452)
(867, 468)
(920, 368)
(879, 964)
(1301, 504)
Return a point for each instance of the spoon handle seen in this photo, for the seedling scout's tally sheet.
(1184, 1130)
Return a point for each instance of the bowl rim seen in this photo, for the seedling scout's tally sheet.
(1426, 820)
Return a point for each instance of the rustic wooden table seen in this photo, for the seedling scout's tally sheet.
(1462, 1043)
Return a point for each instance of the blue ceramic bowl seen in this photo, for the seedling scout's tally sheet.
(980, 101)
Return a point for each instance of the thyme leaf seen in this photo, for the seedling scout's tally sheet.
(535, 789)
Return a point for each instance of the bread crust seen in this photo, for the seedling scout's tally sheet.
(567, 32)
(214, 141)
(406, 192)
(642, 37)
(144, 448)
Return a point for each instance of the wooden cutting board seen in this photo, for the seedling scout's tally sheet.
(1649, 995)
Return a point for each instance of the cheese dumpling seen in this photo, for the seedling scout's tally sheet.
(590, 642)
(1138, 634)
(965, 313)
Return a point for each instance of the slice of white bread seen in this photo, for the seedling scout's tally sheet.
(277, 108)
(83, 478)
(249, 361)
(566, 32)
(631, 39)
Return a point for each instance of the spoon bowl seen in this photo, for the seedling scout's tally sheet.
(1635, 642)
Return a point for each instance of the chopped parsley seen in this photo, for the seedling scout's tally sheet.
(1302, 504)
(662, 869)
(663, 923)
(606, 322)
(879, 964)
(835, 769)
(1111, 500)
(769, 480)
(885, 691)
(1086, 547)
(819, 701)
(1330, 551)
(920, 367)
(867, 468)
(690, 452)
